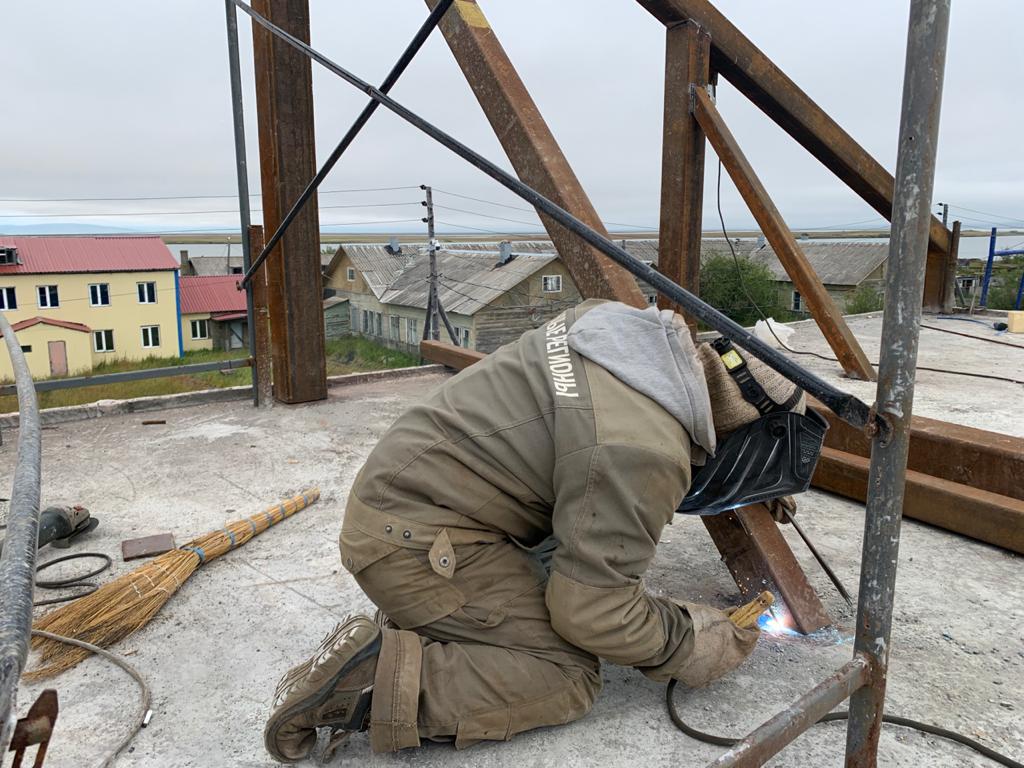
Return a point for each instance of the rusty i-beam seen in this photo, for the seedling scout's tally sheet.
(753, 548)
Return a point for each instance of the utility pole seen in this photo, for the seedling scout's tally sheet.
(435, 311)
(945, 213)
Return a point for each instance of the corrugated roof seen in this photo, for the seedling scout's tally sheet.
(204, 266)
(82, 327)
(469, 278)
(836, 263)
(46, 255)
(376, 263)
(212, 293)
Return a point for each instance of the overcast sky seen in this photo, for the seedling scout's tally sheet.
(130, 98)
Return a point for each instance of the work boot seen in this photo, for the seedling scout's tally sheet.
(332, 688)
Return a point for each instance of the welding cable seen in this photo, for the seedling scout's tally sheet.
(72, 582)
(145, 697)
(905, 722)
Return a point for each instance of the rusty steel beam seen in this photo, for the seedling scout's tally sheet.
(974, 512)
(532, 149)
(752, 73)
(748, 539)
(284, 107)
(687, 56)
(827, 315)
(988, 461)
(261, 353)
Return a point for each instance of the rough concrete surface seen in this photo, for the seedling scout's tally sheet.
(215, 652)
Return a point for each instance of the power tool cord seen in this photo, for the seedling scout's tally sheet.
(933, 730)
(77, 581)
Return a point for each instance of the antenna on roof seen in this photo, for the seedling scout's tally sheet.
(505, 254)
(394, 247)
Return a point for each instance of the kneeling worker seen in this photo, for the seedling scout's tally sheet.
(584, 432)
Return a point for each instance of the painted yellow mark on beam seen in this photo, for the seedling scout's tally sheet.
(471, 14)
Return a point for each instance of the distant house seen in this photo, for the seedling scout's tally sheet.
(841, 266)
(491, 296)
(213, 313)
(78, 301)
(204, 266)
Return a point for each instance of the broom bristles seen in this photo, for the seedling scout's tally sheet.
(128, 603)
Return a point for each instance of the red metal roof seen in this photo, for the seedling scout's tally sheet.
(213, 293)
(49, 321)
(42, 255)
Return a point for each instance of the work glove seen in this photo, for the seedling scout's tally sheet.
(719, 646)
(777, 508)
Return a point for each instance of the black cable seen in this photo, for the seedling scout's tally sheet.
(905, 722)
(77, 581)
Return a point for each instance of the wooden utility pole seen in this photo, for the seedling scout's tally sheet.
(435, 309)
(284, 106)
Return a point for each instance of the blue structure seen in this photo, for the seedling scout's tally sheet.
(992, 253)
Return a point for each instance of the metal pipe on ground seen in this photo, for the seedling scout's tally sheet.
(18, 560)
(843, 404)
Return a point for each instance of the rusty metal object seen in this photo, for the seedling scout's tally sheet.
(988, 461)
(758, 557)
(949, 295)
(827, 315)
(687, 56)
(735, 57)
(261, 353)
(748, 539)
(980, 514)
(284, 106)
(759, 745)
(532, 149)
(35, 728)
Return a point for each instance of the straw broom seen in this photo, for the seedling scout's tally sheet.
(126, 604)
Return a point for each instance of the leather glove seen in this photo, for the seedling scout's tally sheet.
(777, 508)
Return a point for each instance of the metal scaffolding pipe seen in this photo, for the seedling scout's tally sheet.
(843, 404)
(904, 283)
(18, 560)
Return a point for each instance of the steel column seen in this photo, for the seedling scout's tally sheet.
(983, 301)
(242, 173)
(755, 75)
(284, 106)
(904, 281)
(262, 352)
(533, 151)
(827, 315)
(687, 53)
(18, 559)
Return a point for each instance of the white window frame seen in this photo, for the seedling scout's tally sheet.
(797, 302)
(395, 328)
(7, 293)
(205, 326)
(96, 336)
(146, 296)
(96, 292)
(463, 334)
(378, 325)
(147, 338)
(412, 330)
(350, 274)
(555, 280)
(367, 325)
(52, 296)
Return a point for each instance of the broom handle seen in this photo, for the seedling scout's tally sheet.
(271, 515)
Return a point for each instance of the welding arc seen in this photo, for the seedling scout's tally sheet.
(818, 556)
(905, 722)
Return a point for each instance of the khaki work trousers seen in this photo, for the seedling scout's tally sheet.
(474, 656)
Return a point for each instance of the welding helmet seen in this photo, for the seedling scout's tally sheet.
(772, 450)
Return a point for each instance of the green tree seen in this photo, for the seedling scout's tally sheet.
(738, 288)
(866, 298)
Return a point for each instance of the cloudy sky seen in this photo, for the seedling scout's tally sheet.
(130, 99)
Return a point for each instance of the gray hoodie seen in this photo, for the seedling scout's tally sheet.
(650, 351)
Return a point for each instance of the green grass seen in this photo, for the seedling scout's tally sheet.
(350, 355)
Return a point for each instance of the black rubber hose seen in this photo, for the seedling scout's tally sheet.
(934, 730)
(76, 581)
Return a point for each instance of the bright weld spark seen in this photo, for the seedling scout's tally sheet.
(773, 626)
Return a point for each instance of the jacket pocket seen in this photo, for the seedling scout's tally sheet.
(359, 550)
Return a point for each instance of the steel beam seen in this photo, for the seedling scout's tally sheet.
(687, 55)
(284, 106)
(751, 545)
(532, 149)
(827, 315)
(261, 353)
(735, 57)
(990, 517)
(904, 282)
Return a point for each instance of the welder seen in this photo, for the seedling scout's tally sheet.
(503, 527)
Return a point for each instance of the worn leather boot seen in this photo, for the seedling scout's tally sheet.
(333, 688)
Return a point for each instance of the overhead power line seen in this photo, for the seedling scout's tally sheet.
(180, 197)
(180, 213)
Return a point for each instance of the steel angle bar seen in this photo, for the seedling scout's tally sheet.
(846, 406)
(18, 559)
(396, 72)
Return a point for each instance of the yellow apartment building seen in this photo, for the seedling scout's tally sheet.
(77, 301)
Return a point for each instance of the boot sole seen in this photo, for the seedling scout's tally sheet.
(350, 702)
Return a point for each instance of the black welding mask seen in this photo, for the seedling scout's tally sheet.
(771, 456)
